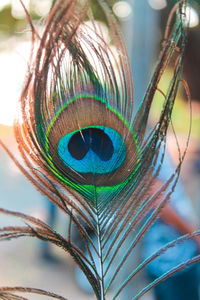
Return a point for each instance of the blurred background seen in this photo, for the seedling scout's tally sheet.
(28, 262)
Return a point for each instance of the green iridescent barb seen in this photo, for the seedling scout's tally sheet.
(82, 146)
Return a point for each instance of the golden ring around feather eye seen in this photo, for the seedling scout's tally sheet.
(88, 115)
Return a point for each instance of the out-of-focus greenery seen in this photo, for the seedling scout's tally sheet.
(7, 23)
(181, 117)
(10, 25)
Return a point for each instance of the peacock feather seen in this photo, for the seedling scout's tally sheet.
(84, 146)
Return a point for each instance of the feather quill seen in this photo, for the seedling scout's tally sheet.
(82, 146)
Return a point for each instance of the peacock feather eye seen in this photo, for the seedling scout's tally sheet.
(96, 150)
(89, 147)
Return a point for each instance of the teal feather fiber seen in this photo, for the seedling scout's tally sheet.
(83, 147)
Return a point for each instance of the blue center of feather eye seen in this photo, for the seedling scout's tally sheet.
(96, 149)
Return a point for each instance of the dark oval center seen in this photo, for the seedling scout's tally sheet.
(91, 138)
